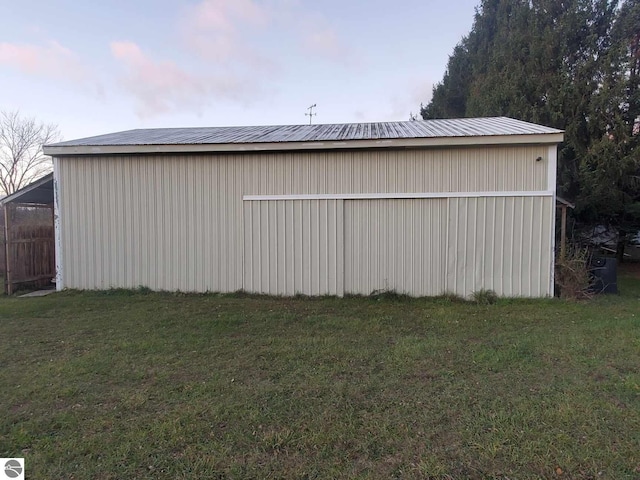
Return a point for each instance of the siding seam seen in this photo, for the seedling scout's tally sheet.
(392, 196)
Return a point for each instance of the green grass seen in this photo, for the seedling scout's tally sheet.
(115, 385)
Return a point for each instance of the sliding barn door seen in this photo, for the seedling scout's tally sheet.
(294, 247)
(395, 244)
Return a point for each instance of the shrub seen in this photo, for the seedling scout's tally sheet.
(484, 297)
(572, 274)
(388, 295)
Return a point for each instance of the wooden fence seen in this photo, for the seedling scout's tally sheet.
(29, 246)
(2, 247)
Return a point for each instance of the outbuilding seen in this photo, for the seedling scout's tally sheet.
(420, 207)
(27, 236)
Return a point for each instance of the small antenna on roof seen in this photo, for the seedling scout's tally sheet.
(311, 114)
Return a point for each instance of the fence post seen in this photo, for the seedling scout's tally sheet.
(563, 232)
(7, 258)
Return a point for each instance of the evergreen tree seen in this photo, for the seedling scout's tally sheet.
(569, 64)
(450, 96)
(610, 170)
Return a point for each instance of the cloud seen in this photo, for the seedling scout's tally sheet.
(51, 60)
(326, 43)
(231, 50)
(240, 32)
(162, 86)
(313, 32)
(221, 30)
(222, 14)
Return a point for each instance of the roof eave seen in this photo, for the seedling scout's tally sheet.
(29, 188)
(527, 139)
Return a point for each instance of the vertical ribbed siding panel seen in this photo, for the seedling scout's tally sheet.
(502, 244)
(293, 246)
(395, 245)
(168, 223)
(381, 171)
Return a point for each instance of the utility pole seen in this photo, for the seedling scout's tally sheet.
(311, 114)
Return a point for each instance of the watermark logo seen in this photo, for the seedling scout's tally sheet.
(12, 468)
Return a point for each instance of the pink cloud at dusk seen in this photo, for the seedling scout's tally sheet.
(313, 32)
(240, 32)
(162, 86)
(52, 60)
(223, 14)
(214, 29)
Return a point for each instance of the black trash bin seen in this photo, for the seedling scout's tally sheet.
(604, 273)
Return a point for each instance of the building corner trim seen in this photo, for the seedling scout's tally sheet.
(551, 186)
(57, 225)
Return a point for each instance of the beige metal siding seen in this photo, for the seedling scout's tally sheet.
(168, 223)
(383, 171)
(503, 244)
(395, 245)
(293, 247)
(173, 222)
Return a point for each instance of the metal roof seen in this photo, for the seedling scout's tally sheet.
(463, 127)
(426, 133)
(39, 191)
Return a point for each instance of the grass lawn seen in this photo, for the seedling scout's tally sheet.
(119, 385)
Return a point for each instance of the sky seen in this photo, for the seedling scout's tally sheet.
(95, 67)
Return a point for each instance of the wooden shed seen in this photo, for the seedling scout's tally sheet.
(27, 236)
(422, 208)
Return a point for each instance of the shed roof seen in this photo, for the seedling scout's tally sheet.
(286, 137)
(563, 202)
(40, 191)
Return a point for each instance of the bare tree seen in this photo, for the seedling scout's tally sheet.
(21, 157)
